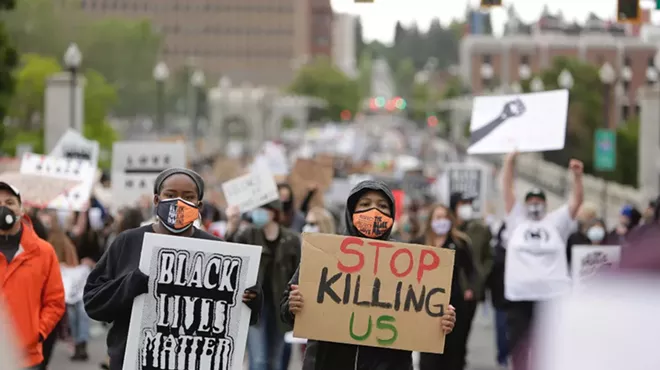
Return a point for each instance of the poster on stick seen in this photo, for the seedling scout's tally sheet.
(589, 261)
(193, 316)
(373, 292)
(252, 190)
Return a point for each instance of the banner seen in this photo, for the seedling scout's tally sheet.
(252, 190)
(470, 179)
(136, 164)
(193, 316)
(80, 171)
(374, 293)
(533, 122)
(587, 261)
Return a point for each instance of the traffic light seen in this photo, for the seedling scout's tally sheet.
(628, 11)
(431, 121)
(490, 3)
(345, 115)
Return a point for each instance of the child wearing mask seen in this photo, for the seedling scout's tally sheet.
(279, 258)
(116, 280)
(368, 200)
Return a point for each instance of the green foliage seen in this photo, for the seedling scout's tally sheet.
(365, 66)
(8, 61)
(27, 104)
(124, 51)
(323, 80)
(404, 78)
(627, 153)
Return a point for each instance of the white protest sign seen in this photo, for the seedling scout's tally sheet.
(74, 279)
(136, 164)
(587, 261)
(469, 179)
(251, 190)
(193, 316)
(533, 122)
(79, 170)
(273, 157)
(74, 145)
(584, 331)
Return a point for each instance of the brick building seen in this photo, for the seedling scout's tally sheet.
(255, 41)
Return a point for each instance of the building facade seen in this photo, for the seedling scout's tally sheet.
(321, 29)
(250, 41)
(343, 43)
(487, 62)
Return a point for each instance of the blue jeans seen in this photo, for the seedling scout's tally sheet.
(501, 338)
(265, 342)
(78, 322)
(286, 356)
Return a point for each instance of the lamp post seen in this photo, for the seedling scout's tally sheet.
(524, 72)
(537, 84)
(161, 74)
(565, 79)
(197, 80)
(607, 77)
(487, 73)
(72, 61)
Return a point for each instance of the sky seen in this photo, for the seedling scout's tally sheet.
(379, 18)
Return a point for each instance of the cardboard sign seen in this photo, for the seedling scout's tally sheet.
(588, 261)
(273, 157)
(36, 190)
(193, 316)
(75, 146)
(471, 180)
(136, 164)
(306, 172)
(533, 122)
(374, 293)
(82, 172)
(252, 190)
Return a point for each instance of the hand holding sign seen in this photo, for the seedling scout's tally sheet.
(295, 300)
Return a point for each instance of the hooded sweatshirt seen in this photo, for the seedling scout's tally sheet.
(334, 356)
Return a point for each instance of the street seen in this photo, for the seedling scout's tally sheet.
(481, 349)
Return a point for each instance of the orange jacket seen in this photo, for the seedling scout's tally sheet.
(32, 288)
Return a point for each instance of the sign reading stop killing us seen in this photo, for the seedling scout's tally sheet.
(373, 292)
(193, 316)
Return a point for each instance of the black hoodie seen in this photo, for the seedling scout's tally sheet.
(337, 356)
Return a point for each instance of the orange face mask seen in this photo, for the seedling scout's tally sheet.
(176, 214)
(372, 223)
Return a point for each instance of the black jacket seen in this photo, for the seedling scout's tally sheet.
(114, 283)
(336, 356)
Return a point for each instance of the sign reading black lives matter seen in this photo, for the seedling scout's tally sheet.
(193, 316)
(469, 179)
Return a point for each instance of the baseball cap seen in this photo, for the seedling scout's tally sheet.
(535, 193)
(459, 196)
(5, 186)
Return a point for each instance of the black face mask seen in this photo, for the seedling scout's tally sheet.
(7, 218)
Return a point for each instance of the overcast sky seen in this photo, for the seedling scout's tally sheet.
(379, 18)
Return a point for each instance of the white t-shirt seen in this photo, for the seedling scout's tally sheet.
(536, 267)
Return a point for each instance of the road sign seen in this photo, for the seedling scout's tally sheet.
(604, 150)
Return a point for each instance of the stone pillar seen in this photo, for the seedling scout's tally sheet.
(58, 107)
(649, 141)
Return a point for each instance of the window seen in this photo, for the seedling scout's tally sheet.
(626, 86)
(625, 111)
(627, 62)
(486, 59)
(637, 110)
(651, 62)
(524, 60)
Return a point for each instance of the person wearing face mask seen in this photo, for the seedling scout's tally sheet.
(442, 232)
(291, 217)
(592, 232)
(116, 279)
(641, 253)
(369, 214)
(319, 220)
(279, 258)
(629, 219)
(536, 268)
(30, 280)
(480, 236)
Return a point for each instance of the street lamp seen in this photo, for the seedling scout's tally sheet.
(161, 74)
(487, 74)
(72, 61)
(537, 84)
(607, 77)
(565, 79)
(197, 80)
(524, 72)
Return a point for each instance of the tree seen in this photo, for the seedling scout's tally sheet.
(123, 50)
(359, 39)
(323, 80)
(404, 77)
(585, 110)
(8, 61)
(627, 153)
(27, 105)
(365, 66)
